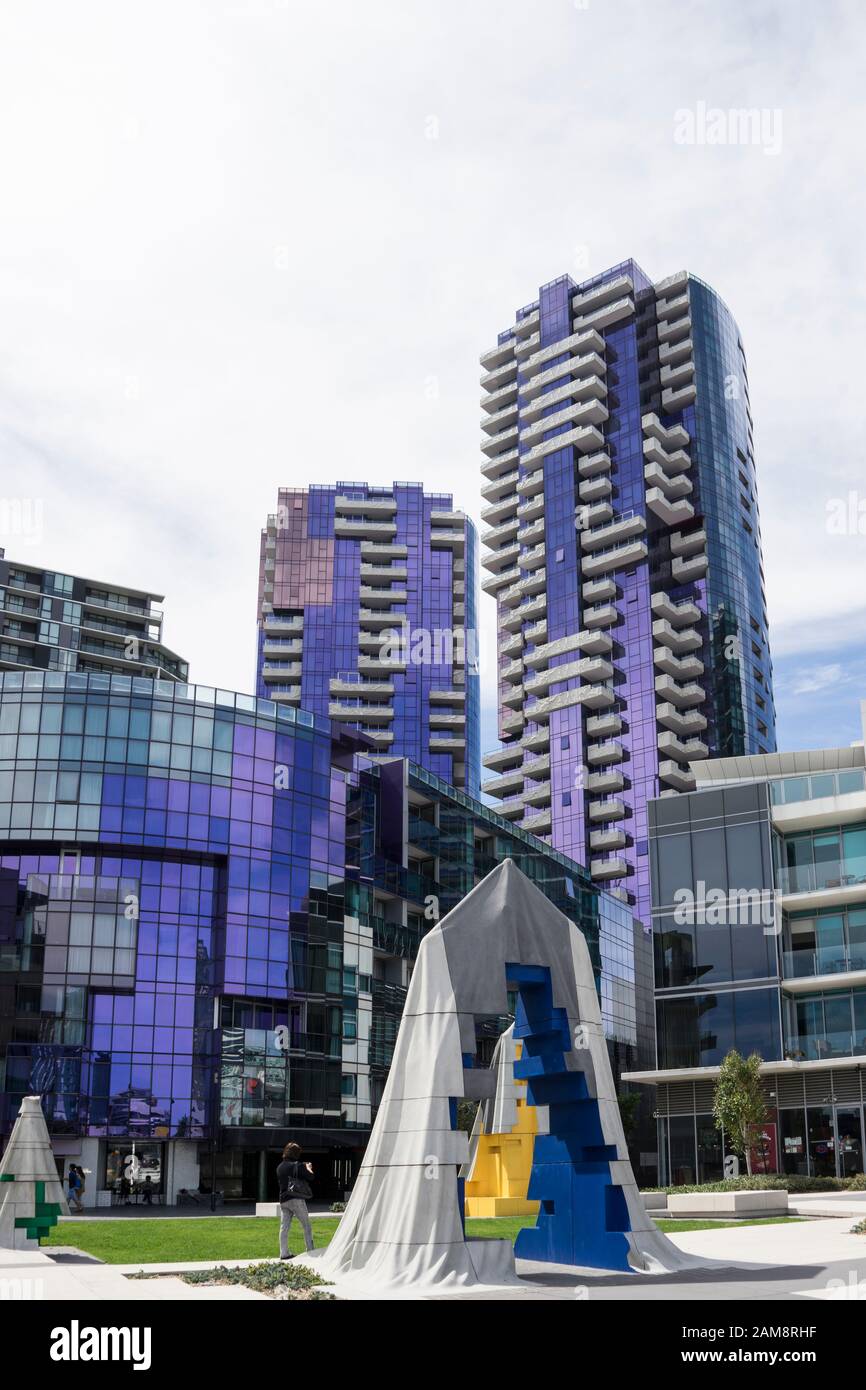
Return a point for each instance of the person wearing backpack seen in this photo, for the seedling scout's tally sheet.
(294, 1194)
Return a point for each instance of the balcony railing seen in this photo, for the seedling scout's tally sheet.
(822, 1047)
(827, 960)
(818, 878)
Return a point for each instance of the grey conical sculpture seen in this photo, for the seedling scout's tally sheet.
(402, 1228)
(31, 1193)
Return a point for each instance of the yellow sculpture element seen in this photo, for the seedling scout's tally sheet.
(503, 1163)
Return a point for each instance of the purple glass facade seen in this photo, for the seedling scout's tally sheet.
(624, 549)
(367, 615)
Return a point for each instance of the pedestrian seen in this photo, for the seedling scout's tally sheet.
(82, 1173)
(148, 1190)
(73, 1185)
(295, 1191)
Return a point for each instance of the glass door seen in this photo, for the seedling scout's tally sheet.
(850, 1140)
(822, 1143)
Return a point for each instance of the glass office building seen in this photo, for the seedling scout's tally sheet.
(623, 549)
(367, 614)
(209, 909)
(759, 928)
(60, 622)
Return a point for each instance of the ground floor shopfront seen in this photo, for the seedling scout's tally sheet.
(816, 1125)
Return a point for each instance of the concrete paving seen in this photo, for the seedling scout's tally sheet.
(808, 1259)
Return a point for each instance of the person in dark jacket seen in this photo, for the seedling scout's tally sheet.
(294, 1192)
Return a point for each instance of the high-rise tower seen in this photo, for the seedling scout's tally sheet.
(624, 553)
(367, 614)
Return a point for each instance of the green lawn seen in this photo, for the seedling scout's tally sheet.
(155, 1241)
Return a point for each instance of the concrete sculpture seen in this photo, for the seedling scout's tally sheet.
(403, 1225)
(31, 1193)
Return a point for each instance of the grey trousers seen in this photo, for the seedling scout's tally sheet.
(296, 1207)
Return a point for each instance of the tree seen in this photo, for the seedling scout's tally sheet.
(739, 1107)
(629, 1106)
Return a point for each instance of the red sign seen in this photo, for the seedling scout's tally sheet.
(764, 1153)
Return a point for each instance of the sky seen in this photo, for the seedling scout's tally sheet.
(261, 243)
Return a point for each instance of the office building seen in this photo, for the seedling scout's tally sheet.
(759, 928)
(209, 909)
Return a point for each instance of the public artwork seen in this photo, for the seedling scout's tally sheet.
(403, 1225)
(31, 1193)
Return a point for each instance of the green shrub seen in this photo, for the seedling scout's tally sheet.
(774, 1182)
(859, 1229)
(281, 1279)
(338, 1206)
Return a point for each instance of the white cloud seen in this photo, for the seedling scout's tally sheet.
(233, 258)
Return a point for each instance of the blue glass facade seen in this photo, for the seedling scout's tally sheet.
(209, 909)
(624, 550)
(367, 614)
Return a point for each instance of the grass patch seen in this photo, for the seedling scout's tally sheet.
(181, 1241)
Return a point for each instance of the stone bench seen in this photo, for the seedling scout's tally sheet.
(655, 1201)
(721, 1205)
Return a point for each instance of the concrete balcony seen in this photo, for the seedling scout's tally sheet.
(447, 697)
(676, 777)
(512, 696)
(383, 551)
(683, 696)
(685, 751)
(593, 489)
(529, 324)
(498, 356)
(671, 437)
(530, 560)
(578, 343)
(685, 570)
(500, 375)
(592, 696)
(501, 758)
(677, 398)
(381, 664)
(536, 632)
(609, 780)
(511, 807)
(677, 374)
(523, 613)
(366, 528)
(588, 668)
(385, 574)
(670, 353)
(620, 557)
(511, 645)
(444, 719)
(589, 518)
(538, 824)
(532, 509)
(494, 401)
(501, 492)
(607, 315)
(277, 649)
(538, 795)
(611, 808)
(288, 695)
(526, 347)
(346, 711)
(678, 614)
(501, 580)
(688, 542)
(607, 839)
(502, 419)
(580, 389)
(672, 303)
(610, 751)
(440, 743)
(534, 531)
(593, 465)
(512, 671)
(601, 725)
(287, 673)
(674, 330)
(373, 596)
(680, 640)
(448, 538)
(498, 467)
(615, 867)
(506, 530)
(672, 485)
(585, 438)
(670, 461)
(502, 443)
(670, 512)
(599, 590)
(365, 506)
(586, 365)
(612, 532)
(604, 293)
(502, 510)
(537, 767)
(359, 689)
(506, 785)
(684, 722)
(531, 484)
(383, 738)
(538, 739)
(378, 618)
